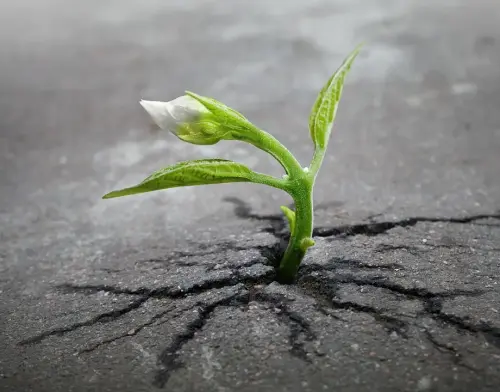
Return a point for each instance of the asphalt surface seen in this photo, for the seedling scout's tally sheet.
(175, 290)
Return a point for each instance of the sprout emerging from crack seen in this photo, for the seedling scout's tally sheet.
(200, 120)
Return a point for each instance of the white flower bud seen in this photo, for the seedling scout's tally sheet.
(200, 120)
(170, 115)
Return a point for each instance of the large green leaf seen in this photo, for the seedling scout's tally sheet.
(198, 172)
(324, 109)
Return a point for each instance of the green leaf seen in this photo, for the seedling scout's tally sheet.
(324, 109)
(198, 172)
(290, 216)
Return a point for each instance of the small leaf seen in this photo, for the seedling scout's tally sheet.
(324, 109)
(198, 172)
(290, 215)
(306, 243)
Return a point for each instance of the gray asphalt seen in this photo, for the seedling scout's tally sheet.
(175, 290)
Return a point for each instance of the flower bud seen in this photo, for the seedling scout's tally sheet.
(186, 118)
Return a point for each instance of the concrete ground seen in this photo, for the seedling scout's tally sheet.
(174, 290)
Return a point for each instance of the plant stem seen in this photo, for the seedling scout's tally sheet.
(260, 178)
(301, 239)
(268, 143)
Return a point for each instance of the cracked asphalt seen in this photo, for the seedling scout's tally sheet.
(176, 290)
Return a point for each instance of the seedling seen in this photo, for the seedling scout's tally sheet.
(201, 120)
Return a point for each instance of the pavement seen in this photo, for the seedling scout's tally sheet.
(176, 290)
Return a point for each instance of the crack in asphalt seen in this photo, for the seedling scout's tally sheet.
(455, 355)
(144, 294)
(371, 228)
(100, 318)
(491, 333)
(376, 228)
(175, 292)
(297, 324)
(313, 282)
(324, 291)
(168, 360)
(131, 332)
(243, 210)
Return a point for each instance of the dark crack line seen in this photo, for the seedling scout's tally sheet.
(279, 230)
(144, 294)
(324, 291)
(131, 333)
(168, 360)
(391, 324)
(173, 292)
(300, 329)
(101, 318)
(377, 228)
(244, 211)
(298, 326)
(435, 308)
(455, 355)
(384, 283)
(408, 292)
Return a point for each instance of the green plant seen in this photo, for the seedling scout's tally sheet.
(201, 120)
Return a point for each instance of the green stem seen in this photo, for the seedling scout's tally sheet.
(260, 178)
(268, 143)
(301, 239)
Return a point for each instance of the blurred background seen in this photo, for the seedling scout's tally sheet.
(417, 131)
